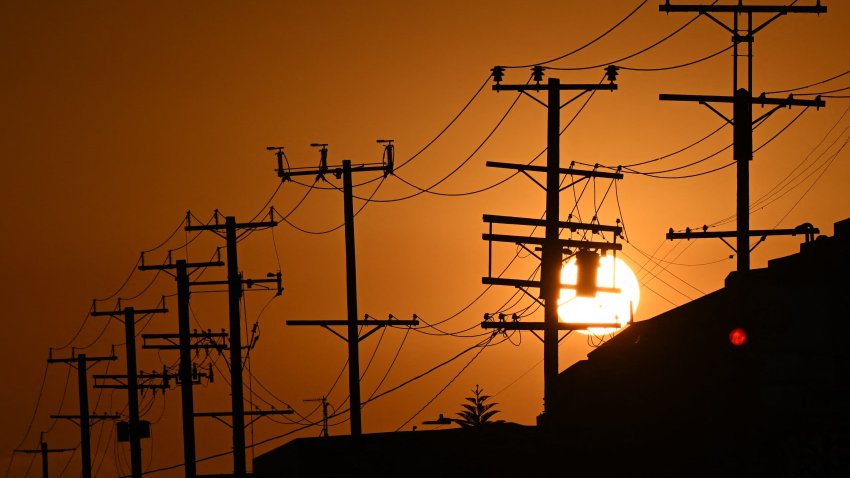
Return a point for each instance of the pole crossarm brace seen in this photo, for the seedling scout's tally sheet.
(542, 325)
(572, 226)
(162, 267)
(146, 381)
(806, 229)
(756, 100)
(377, 324)
(202, 340)
(238, 225)
(335, 170)
(274, 278)
(45, 450)
(254, 413)
(117, 313)
(781, 9)
(75, 359)
(562, 87)
(605, 246)
(92, 417)
(543, 169)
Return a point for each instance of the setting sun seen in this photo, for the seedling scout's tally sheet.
(606, 307)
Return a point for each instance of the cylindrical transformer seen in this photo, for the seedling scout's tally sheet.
(587, 263)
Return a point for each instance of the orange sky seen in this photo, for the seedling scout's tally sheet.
(120, 118)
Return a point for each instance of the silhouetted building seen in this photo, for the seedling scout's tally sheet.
(749, 380)
(674, 394)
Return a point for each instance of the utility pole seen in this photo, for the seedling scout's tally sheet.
(131, 380)
(324, 401)
(185, 346)
(85, 418)
(552, 247)
(353, 339)
(234, 284)
(742, 119)
(43, 450)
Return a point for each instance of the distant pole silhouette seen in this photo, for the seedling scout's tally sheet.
(324, 402)
(85, 417)
(132, 377)
(742, 120)
(185, 347)
(552, 245)
(43, 450)
(352, 323)
(234, 293)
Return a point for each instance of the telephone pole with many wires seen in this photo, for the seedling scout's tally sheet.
(353, 338)
(234, 283)
(742, 121)
(131, 381)
(188, 375)
(44, 451)
(85, 418)
(551, 246)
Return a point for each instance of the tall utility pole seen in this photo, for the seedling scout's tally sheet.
(742, 121)
(128, 316)
(44, 450)
(185, 346)
(234, 284)
(85, 418)
(345, 171)
(552, 254)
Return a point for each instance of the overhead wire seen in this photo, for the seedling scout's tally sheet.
(632, 55)
(809, 85)
(791, 176)
(421, 190)
(429, 143)
(32, 418)
(675, 67)
(591, 42)
(327, 231)
(443, 389)
(785, 184)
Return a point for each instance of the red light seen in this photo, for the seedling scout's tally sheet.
(738, 337)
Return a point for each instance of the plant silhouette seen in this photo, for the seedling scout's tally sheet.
(477, 413)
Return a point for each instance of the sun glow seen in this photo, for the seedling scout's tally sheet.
(606, 307)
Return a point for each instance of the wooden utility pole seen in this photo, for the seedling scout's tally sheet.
(353, 339)
(551, 245)
(742, 119)
(130, 381)
(44, 450)
(85, 418)
(185, 346)
(234, 284)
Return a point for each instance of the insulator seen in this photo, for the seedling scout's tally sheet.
(498, 73)
(537, 73)
(611, 73)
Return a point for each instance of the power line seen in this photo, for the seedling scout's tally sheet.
(632, 55)
(675, 67)
(810, 85)
(591, 42)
